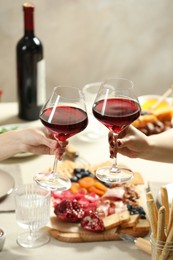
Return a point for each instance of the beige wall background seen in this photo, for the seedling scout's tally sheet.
(89, 40)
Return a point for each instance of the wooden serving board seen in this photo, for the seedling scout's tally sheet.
(72, 233)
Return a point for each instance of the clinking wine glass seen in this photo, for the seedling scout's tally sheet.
(116, 106)
(64, 115)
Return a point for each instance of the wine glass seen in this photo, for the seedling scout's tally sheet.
(32, 212)
(116, 107)
(64, 115)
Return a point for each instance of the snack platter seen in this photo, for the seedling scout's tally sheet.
(124, 214)
(154, 120)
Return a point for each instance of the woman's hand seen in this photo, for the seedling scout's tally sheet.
(40, 141)
(131, 142)
(36, 140)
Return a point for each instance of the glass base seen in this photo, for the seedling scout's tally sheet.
(107, 174)
(52, 182)
(39, 238)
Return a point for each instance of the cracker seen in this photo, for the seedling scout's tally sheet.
(142, 225)
(116, 219)
(111, 221)
(132, 221)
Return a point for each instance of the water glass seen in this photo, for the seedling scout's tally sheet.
(32, 213)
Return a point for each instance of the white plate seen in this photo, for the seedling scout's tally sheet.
(7, 184)
(169, 188)
(11, 127)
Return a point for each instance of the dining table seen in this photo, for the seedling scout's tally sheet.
(93, 152)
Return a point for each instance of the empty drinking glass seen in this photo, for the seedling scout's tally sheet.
(94, 130)
(32, 213)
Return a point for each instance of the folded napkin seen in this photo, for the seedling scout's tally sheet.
(14, 170)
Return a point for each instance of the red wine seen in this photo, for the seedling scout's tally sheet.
(65, 122)
(30, 69)
(116, 113)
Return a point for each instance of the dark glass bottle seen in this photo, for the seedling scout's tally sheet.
(30, 69)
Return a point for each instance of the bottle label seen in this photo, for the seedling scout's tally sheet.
(41, 83)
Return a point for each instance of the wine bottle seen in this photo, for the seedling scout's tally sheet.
(30, 69)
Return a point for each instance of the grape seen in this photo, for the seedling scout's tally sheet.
(136, 210)
(80, 173)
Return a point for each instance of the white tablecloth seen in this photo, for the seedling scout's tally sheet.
(93, 152)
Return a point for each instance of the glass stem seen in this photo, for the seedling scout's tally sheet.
(115, 136)
(55, 164)
(54, 171)
(31, 235)
(115, 163)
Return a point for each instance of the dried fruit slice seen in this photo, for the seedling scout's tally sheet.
(86, 182)
(100, 186)
(96, 190)
(75, 188)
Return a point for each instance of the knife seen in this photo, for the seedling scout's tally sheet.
(140, 242)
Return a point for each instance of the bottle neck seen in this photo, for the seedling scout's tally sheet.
(28, 19)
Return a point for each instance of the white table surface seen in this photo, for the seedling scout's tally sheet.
(93, 152)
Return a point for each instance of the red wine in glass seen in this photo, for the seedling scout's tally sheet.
(116, 107)
(67, 121)
(64, 115)
(119, 113)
